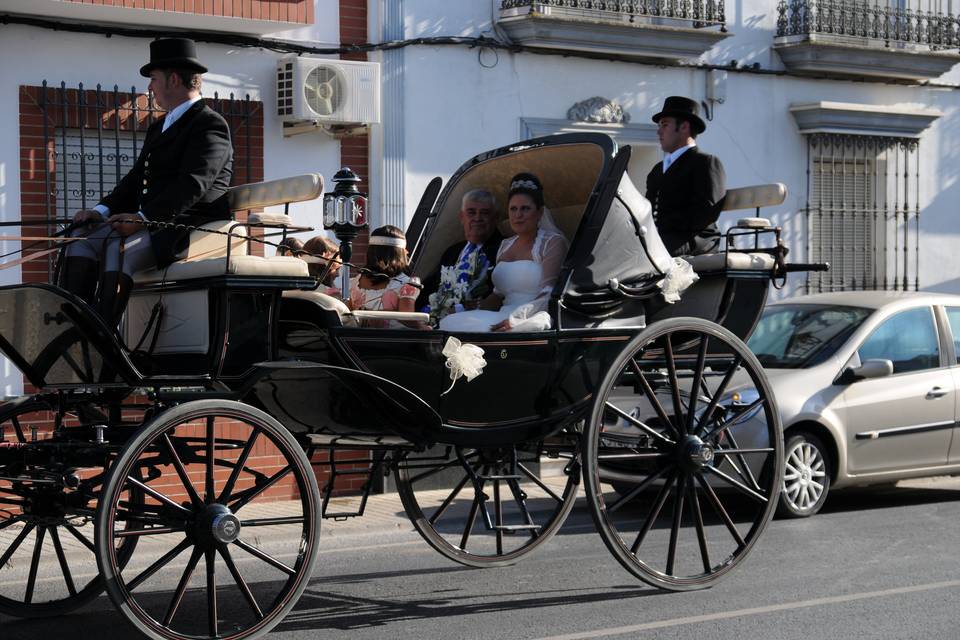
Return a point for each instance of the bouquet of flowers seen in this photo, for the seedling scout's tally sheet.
(454, 287)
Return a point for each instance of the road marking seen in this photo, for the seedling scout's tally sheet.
(725, 615)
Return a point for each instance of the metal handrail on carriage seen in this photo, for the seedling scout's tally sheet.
(632, 396)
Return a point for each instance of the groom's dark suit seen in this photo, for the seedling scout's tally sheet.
(687, 201)
(449, 258)
(181, 175)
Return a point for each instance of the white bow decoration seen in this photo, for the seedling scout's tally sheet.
(463, 360)
(679, 276)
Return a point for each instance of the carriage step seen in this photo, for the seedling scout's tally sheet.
(516, 527)
(386, 443)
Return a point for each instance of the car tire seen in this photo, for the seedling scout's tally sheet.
(806, 477)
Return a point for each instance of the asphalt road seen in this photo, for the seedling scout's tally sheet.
(878, 564)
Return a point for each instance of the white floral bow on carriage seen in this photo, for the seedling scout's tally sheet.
(463, 360)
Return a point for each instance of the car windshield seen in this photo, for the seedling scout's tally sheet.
(795, 336)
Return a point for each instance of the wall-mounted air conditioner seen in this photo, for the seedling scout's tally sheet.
(322, 91)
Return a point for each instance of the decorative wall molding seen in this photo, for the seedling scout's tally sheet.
(598, 109)
(623, 134)
(862, 119)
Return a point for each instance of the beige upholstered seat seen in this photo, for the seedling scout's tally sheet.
(352, 318)
(238, 265)
(733, 260)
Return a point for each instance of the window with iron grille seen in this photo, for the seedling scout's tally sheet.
(862, 212)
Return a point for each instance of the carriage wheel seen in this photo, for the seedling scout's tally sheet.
(500, 503)
(230, 509)
(47, 557)
(685, 426)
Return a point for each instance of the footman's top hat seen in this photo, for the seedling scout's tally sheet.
(680, 107)
(173, 53)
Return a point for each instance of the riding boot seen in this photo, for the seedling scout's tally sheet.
(115, 290)
(79, 276)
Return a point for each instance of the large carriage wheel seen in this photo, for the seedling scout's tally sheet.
(498, 504)
(683, 456)
(47, 555)
(230, 525)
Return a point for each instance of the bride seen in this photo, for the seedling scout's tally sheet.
(527, 268)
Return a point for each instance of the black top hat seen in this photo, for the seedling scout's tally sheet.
(680, 107)
(173, 53)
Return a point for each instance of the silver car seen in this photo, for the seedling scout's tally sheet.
(866, 384)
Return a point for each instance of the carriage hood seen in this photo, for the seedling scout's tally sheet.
(615, 256)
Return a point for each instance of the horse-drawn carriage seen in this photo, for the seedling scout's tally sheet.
(183, 460)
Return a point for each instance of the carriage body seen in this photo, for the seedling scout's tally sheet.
(623, 385)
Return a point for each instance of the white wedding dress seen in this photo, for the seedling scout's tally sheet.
(525, 286)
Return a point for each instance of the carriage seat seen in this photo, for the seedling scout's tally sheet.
(206, 253)
(763, 195)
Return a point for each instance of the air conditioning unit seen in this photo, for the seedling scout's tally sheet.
(328, 92)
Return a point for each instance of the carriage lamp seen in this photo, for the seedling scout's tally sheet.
(345, 213)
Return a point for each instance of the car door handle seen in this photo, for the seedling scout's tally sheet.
(936, 392)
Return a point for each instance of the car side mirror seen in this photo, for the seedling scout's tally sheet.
(876, 368)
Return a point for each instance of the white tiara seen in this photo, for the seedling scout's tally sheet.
(387, 241)
(524, 184)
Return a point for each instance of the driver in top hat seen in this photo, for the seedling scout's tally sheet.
(687, 188)
(181, 175)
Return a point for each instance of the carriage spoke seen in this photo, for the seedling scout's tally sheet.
(707, 416)
(270, 560)
(738, 485)
(227, 492)
(654, 513)
(182, 586)
(79, 536)
(637, 423)
(158, 496)
(448, 500)
(498, 516)
(159, 564)
(739, 453)
(211, 445)
(681, 489)
(633, 493)
(149, 531)
(211, 561)
(674, 382)
(724, 426)
(698, 522)
(432, 472)
(697, 378)
(537, 481)
(62, 559)
(240, 582)
(11, 521)
(718, 507)
(471, 519)
(251, 493)
(271, 522)
(652, 398)
(34, 564)
(16, 544)
(181, 471)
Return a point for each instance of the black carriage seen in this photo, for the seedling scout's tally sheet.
(238, 377)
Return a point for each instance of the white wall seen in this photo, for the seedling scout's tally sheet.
(32, 55)
(457, 108)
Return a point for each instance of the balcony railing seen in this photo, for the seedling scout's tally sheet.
(656, 30)
(888, 23)
(690, 13)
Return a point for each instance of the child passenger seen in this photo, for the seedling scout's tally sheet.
(385, 285)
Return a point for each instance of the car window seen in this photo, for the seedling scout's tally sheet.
(953, 314)
(908, 339)
(791, 336)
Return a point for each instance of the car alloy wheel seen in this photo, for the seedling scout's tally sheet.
(806, 478)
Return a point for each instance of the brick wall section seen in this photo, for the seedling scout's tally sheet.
(300, 11)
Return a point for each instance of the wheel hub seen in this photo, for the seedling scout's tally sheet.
(217, 524)
(695, 453)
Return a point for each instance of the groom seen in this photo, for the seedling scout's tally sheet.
(477, 253)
